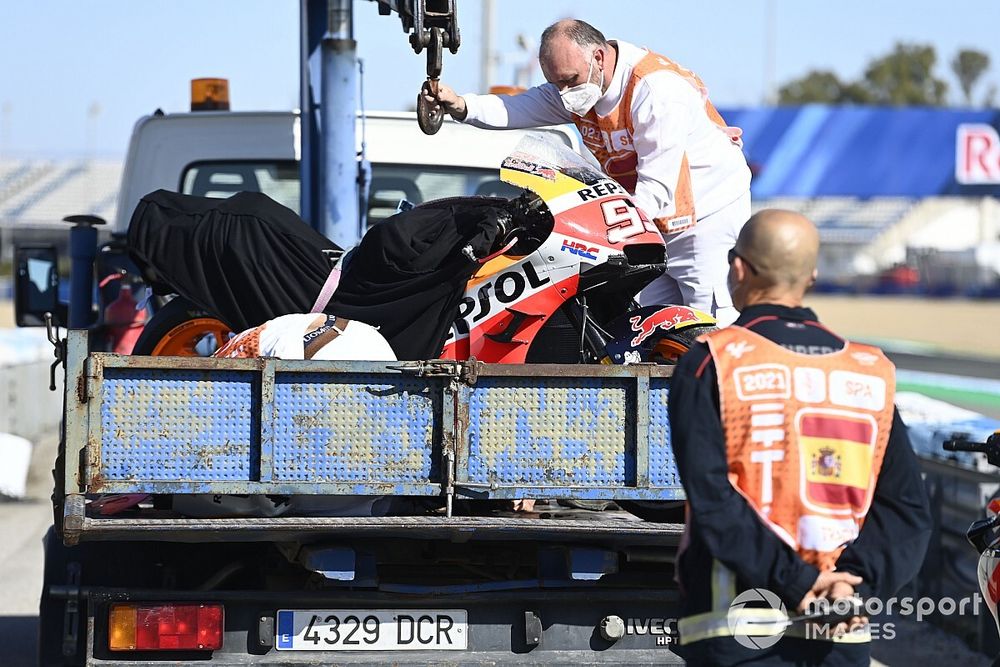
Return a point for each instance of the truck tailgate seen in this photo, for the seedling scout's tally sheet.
(168, 425)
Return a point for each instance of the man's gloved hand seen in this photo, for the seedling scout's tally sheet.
(447, 99)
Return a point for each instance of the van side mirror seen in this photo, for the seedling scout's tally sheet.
(36, 286)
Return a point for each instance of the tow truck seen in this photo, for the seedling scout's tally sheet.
(449, 573)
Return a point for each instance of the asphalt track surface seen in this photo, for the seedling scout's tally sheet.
(948, 364)
(23, 524)
(967, 382)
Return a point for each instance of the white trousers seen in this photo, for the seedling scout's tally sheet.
(697, 264)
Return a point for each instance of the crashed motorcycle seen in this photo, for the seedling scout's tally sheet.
(561, 284)
(549, 276)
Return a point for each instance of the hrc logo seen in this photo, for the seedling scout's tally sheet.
(579, 249)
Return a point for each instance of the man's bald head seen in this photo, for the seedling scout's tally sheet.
(780, 248)
(570, 31)
(566, 51)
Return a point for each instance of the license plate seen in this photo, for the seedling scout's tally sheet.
(372, 629)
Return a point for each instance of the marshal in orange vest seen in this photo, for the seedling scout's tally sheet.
(609, 138)
(805, 436)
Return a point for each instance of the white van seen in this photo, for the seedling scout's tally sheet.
(219, 153)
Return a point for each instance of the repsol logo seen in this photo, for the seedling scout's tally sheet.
(506, 288)
(601, 190)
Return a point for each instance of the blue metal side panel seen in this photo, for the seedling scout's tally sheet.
(662, 468)
(341, 427)
(177, 425)
(550, 431)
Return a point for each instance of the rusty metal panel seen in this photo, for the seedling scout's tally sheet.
(165, 425)
(600, 526)
(266, 459)
(551, 431)
(181, 425)
(350, 427)
(662, 467)
(76, 425)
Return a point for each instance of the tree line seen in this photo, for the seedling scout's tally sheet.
(903, 77)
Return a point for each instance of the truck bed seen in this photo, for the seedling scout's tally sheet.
(453, 430)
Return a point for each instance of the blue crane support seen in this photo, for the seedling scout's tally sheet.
(330, 198)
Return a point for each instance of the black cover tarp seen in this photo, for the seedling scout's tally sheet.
(246, 259)
(408, 274)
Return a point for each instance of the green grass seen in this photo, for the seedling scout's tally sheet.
(970, 399)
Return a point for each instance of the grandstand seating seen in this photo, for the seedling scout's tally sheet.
(21, 178)
(40, 192)
(846, 220)
(10, 171)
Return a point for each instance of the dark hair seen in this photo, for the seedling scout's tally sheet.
(580, 32)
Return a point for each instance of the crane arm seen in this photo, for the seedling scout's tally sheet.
(421, 18)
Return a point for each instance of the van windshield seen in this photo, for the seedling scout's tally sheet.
(389, 183)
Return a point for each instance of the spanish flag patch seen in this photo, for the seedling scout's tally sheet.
(836, 454)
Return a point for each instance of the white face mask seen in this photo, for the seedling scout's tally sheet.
(582, 98)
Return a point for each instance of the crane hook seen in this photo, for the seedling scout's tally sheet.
(431, 115)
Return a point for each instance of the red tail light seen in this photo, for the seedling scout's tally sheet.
(165, 627)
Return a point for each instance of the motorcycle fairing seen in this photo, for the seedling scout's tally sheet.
(989, 580)
(599, 241)
(596, 212)
(499, 317)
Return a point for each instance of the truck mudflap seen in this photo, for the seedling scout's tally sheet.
(455, 430)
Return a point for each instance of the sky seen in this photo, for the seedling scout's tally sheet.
(76, 75)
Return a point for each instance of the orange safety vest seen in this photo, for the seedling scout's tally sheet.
(805, 436)
(609, 138)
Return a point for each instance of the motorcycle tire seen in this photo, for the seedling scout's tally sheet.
(667, 511)
(178, 328)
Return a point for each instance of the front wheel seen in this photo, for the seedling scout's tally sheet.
(182, 329)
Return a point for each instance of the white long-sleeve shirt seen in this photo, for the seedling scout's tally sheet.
(669, 122)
